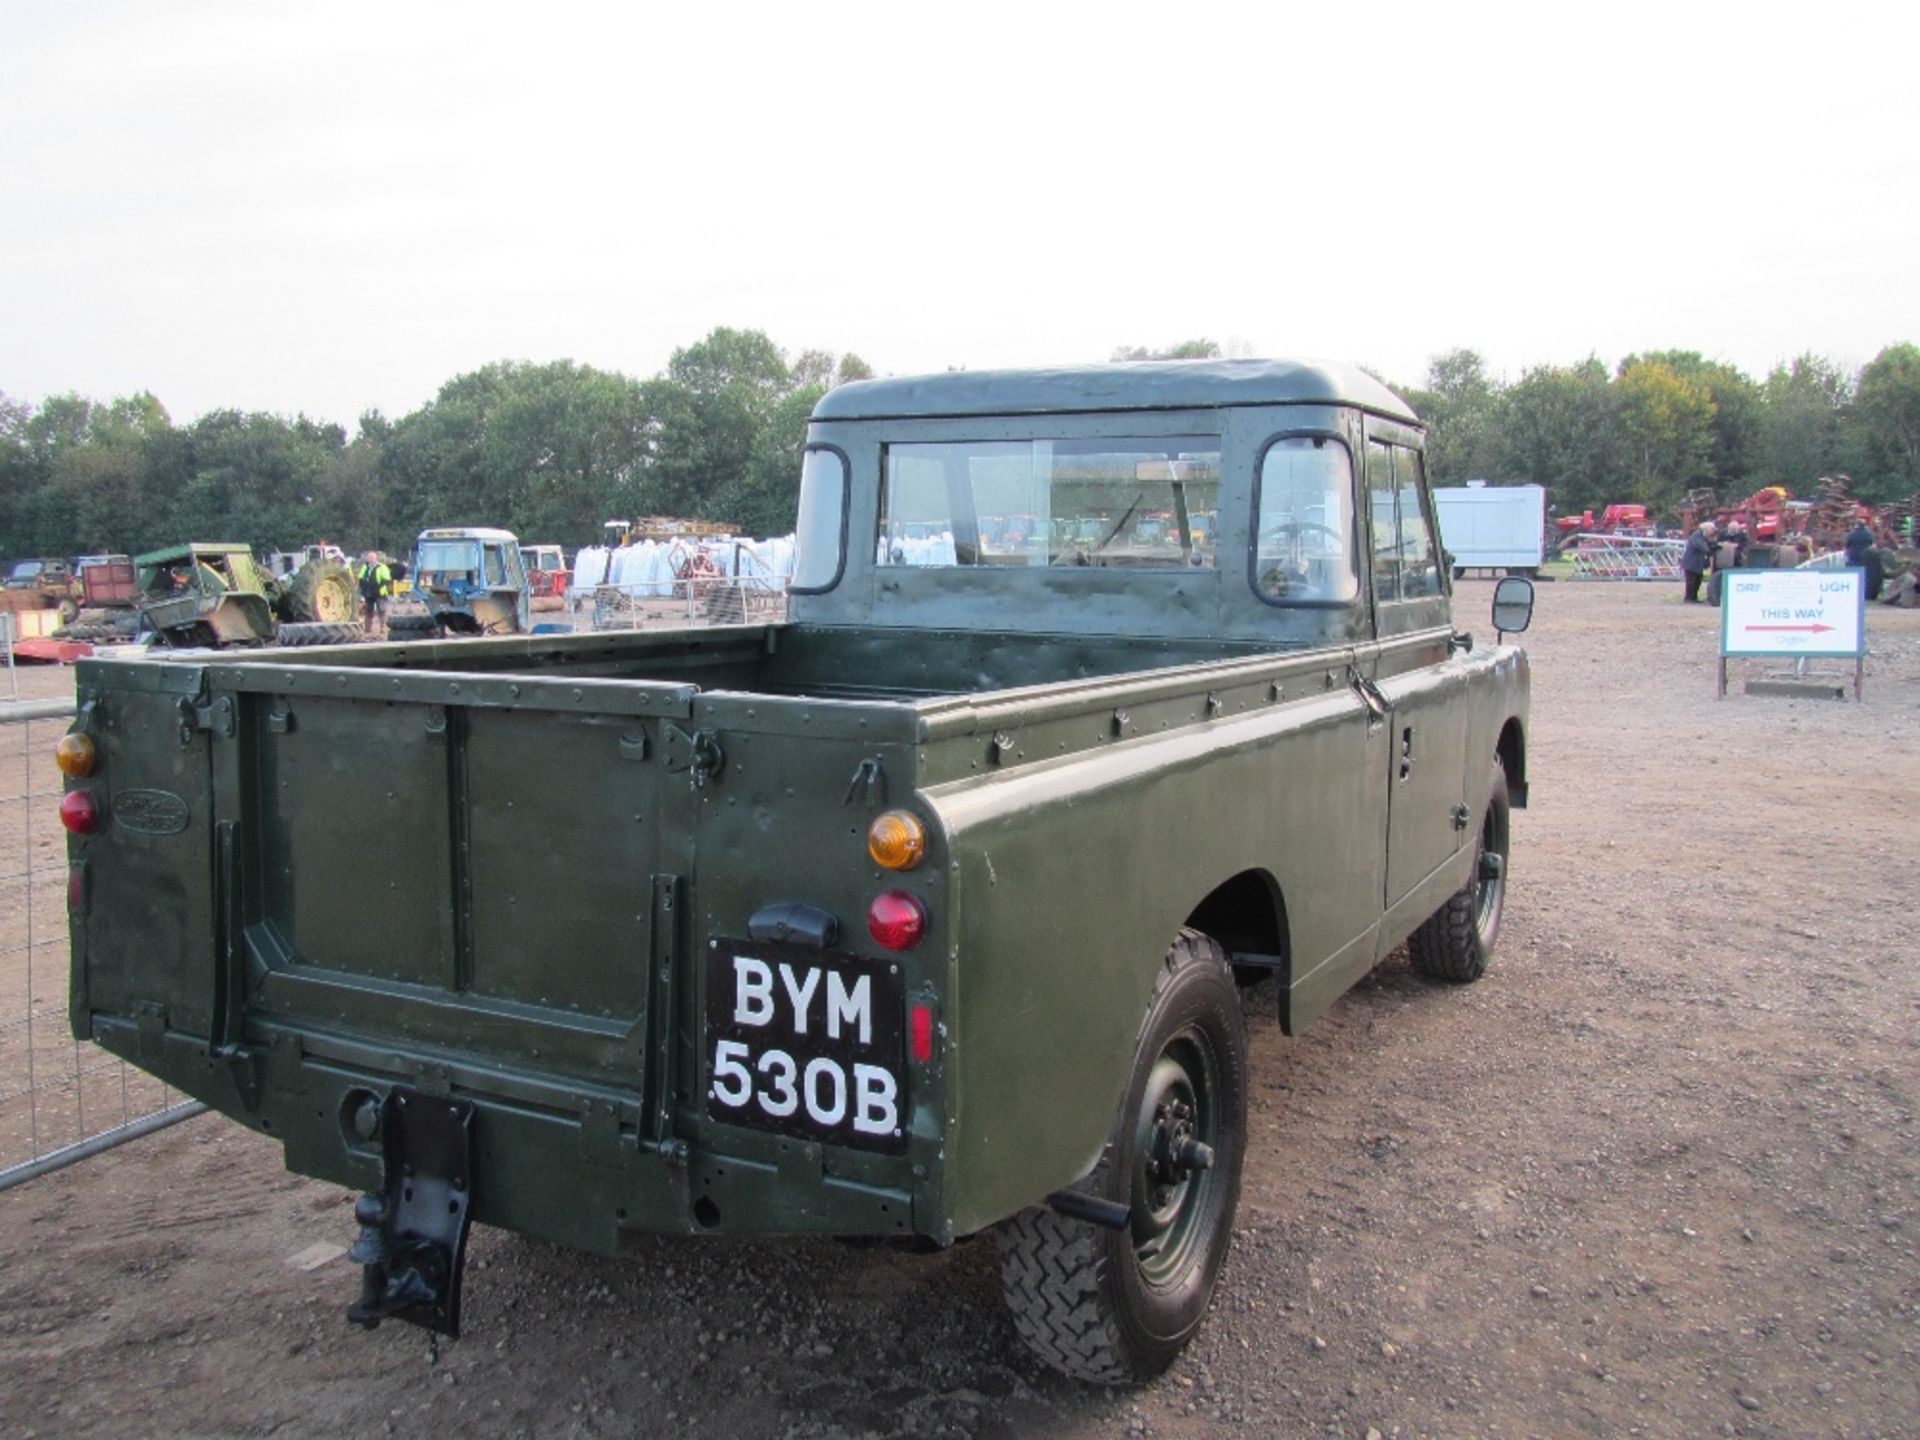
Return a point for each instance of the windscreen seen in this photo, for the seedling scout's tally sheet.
(1142, 502)
(440, 557)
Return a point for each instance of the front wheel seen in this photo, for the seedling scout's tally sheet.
(1116, 1306)
(1457, 941)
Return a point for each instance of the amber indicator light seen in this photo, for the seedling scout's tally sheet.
(74, 755)
(897, 840)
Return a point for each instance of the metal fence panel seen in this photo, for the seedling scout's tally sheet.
(59, 1099)
(1625, 557)
(702, 600)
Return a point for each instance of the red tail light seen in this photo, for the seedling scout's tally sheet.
(896, 920)
(79, 812)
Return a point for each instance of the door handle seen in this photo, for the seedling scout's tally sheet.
(1370, 696)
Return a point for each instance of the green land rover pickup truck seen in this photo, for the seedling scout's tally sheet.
(917, 916)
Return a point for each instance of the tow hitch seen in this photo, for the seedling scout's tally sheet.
(413, 1233)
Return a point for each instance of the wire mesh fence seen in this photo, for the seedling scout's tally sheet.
(59, 1099)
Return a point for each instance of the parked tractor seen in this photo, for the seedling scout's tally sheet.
(217, 595)
(467, 581)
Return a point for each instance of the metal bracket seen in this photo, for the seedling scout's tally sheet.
(413, 1233)
(1371, 695)
(1461, 817)
(871, 775)
(215, 717)
(699, 754)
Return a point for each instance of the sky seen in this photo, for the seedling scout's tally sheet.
(326, 209)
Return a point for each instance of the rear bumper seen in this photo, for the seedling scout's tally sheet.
(552, 1161)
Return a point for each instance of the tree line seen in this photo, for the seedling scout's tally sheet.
(1659, 425)
(548, 451)
(551, 450)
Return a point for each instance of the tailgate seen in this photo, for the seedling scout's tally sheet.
(462, 865)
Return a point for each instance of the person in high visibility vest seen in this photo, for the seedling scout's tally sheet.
(376, 584)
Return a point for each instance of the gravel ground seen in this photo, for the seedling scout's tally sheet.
(1655, 1174)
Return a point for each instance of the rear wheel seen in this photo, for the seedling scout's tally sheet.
(1115, 1306)
(1457, 941)
(323, 591)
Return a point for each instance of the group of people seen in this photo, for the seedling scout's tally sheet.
(1708, 551)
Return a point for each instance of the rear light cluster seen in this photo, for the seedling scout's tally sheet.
(76, 757)
(897, 840)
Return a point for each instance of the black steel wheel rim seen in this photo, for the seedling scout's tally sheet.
(1176, 1132)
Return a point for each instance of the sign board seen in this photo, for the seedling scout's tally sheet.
(1816, 614)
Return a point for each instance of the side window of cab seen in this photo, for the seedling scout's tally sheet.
(1304, 532)
(1405, 564)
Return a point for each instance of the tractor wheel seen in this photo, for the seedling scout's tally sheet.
(1456, 942)
(321, 591)
(320, 633)
(416, 625)
(1116, 1306)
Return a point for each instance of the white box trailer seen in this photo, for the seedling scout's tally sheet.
(1492, 527)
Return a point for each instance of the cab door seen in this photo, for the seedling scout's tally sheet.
(1413, 665)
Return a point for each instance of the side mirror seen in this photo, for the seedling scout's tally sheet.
(1512, 605)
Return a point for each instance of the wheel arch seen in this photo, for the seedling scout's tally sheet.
(1512, 753)
(1247, 915)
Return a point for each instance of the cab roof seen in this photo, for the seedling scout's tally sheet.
(184, 552)
(1135, 385)
(469, 532)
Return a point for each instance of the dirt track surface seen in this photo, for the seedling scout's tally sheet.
(1655, 1174)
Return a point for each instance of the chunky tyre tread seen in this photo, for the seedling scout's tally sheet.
(1444, 948)
(1054, 1270)
(1050, 1274)
(317, 632)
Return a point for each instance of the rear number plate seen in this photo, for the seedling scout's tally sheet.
(805, 1042)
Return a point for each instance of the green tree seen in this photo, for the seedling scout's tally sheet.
(1666, 423)
(1734, 431)
(729, 419)
(543, 450)
(1465, 414)
(1561, 431)
(1803, 417)
(1888, 406)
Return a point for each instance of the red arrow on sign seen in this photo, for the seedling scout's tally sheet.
(1814, 629)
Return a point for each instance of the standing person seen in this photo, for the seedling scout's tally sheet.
(1695, 559)
(376, 584)
(1863, 554)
